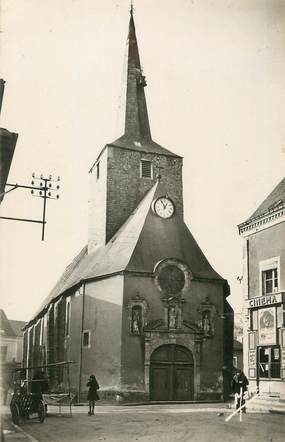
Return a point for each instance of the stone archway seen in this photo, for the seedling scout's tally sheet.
(171, 374)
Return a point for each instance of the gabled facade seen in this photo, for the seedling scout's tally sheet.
(140, 305)
(264, 294)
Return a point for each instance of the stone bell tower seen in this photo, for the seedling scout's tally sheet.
(128, 167)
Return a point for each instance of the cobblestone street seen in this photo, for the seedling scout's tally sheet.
(150, 424)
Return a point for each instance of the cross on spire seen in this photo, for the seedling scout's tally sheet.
(132, 8)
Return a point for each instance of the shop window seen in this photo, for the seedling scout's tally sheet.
(86, 339)
(269, 281)
(269, 362)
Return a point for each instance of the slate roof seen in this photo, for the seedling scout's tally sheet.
(273, 201)
(137, 134)
(147, 146)
(161, 238)
(5, 326)
(17, 326)
(110, 259)
(142, 241)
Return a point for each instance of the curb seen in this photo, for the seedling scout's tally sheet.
(28, 436)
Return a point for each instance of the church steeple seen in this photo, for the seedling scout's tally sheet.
(136, 118)
(137, 134)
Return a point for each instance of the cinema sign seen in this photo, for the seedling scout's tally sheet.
(263, 301)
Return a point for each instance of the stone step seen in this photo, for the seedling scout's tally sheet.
(266, 404)
(268, 400)
(277, 410)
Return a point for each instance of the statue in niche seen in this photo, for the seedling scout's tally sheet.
(136, 320)
(172, 317)
(206, 324)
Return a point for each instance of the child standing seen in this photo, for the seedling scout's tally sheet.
(92, 393)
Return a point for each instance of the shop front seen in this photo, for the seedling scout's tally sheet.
(266, 344)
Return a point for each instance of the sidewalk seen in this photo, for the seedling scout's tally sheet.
(144, 408)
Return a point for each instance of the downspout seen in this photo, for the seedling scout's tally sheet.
(82, 290)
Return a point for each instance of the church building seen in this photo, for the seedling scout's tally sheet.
(140, 306)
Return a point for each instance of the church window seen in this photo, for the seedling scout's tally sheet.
(42, 326)
(171, 279)
(67, 320)
(98, 170)
(86, 339)
(146, 169)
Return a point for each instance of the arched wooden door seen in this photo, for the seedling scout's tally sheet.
(171, 374)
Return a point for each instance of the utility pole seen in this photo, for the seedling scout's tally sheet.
(41, 187)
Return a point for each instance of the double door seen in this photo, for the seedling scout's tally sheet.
(172, 374)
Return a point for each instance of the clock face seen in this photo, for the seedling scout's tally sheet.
(164, 207)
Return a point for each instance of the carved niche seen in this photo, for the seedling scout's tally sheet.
(206, 322)
(173, 312)
(137, 309)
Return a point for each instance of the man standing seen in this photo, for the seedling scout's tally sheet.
(239, 387)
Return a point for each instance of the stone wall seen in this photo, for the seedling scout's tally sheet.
(125, 187)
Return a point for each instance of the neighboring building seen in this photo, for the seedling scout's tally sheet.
(238, 344)
(264, 294)
(11, 352)
(140, 305)
(8, 142)
(11, 336)
(238, 355)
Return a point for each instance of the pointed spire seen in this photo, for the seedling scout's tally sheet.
(136, 120)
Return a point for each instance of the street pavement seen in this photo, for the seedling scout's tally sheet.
(148, 423)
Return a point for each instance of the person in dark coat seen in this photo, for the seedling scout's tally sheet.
(239, 387)
(92, 393)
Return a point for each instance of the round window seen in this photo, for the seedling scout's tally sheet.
(171, 279)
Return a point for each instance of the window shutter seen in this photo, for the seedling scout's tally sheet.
(146, 169)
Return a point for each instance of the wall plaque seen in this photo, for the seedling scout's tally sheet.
(252, 358)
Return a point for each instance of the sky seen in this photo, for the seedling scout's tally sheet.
(216, 96)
